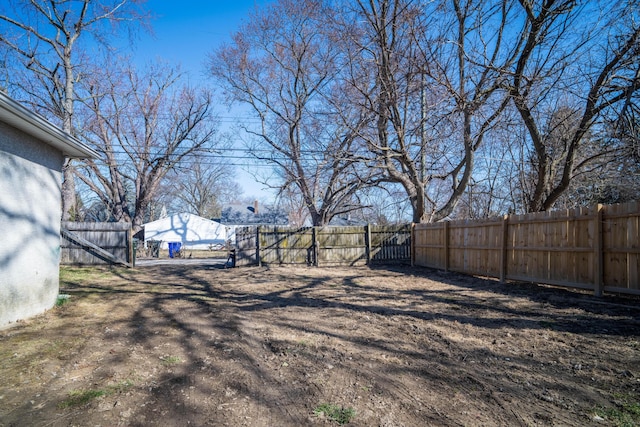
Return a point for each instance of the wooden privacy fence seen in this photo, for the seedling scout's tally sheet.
(322, 246)
(91, 243)
(592, 248)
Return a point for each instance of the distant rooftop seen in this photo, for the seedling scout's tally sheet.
(251, 214)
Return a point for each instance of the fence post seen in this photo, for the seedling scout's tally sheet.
(258, 257)
(412, 248)
(316, 249)
(132, 254)
(598, 252)
(367, 242)
(446, 246)
(503, 248)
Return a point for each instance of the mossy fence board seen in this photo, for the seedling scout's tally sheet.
(323, 246)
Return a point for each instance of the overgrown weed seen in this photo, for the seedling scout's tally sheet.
(82, 397)
(339, 414)
(626, 413)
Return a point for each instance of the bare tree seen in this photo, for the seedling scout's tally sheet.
(578, 64)
(489, 192)
(143, 126)
(293, 204)
(45, 38)
(200, 185)
(282, 66)
(430, 77)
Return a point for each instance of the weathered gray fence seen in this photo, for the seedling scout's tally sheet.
(323, 246)
(95, 243)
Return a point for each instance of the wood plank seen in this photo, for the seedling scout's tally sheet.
(551, 282)
(504, 242)
(633, 247)
(598, 253)
(445, 239)
(97, 251)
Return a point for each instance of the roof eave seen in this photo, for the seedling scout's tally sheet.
(14, 114)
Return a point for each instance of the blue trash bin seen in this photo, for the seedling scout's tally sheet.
(174, 248)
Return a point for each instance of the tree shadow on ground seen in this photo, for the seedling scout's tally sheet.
(237, 338)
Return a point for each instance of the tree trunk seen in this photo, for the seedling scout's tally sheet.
(68, 190)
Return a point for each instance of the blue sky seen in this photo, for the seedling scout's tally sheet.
(185, 32)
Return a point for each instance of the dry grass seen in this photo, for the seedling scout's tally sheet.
(172, 345)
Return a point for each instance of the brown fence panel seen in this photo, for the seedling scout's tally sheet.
(553, 247)
(112, 237)
(621, 246)
(430, 245)
(594, 248)
(474, 247)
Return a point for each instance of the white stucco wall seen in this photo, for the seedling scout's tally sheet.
(30, 177)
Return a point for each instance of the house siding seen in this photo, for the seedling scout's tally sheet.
(30, 211)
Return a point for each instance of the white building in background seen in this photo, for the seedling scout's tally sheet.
(192, 231)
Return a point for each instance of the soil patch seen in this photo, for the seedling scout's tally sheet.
(177, 345)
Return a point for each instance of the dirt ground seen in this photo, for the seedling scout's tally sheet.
(178, 345)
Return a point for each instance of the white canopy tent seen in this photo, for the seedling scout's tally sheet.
(192, 231)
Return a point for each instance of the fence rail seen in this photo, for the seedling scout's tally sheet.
(323, 246)
(594, 248)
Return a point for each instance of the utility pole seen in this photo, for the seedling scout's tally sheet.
(423, 130)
